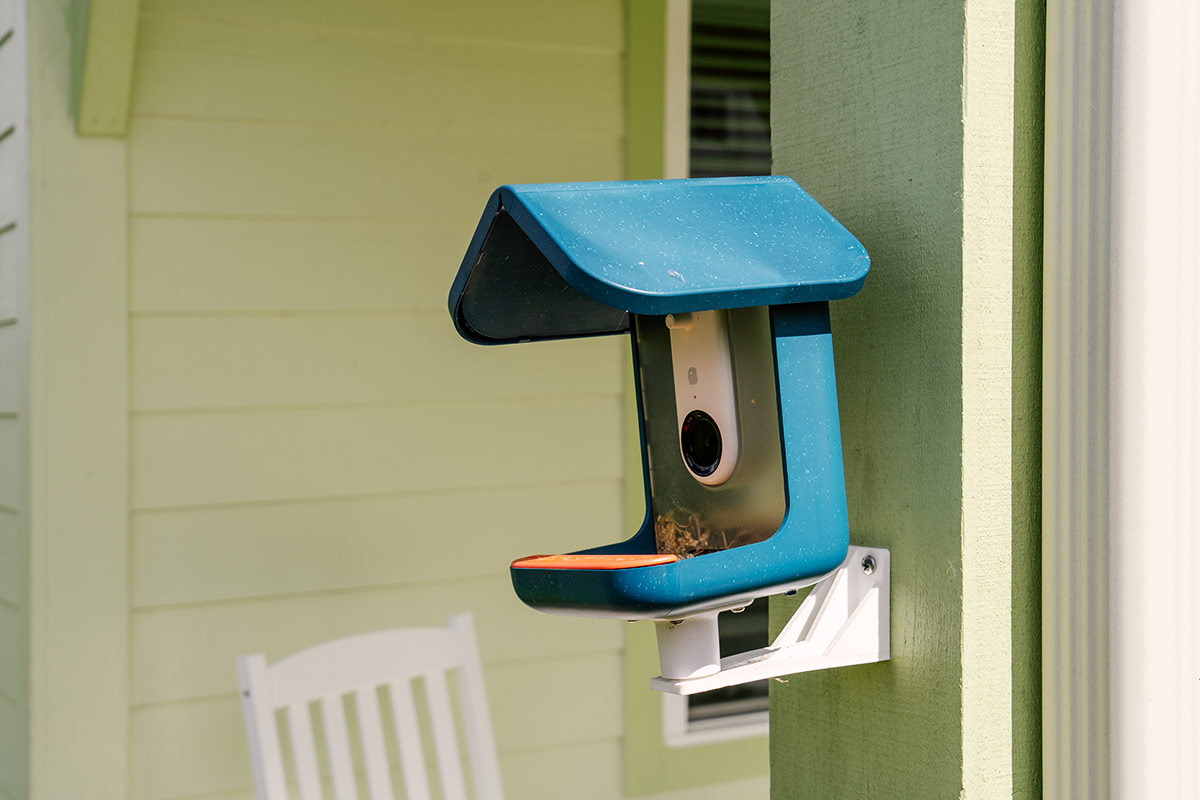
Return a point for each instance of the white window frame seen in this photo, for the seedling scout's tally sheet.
(679, 731)
(1121, 426)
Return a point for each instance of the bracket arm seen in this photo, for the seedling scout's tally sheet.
(845, 620)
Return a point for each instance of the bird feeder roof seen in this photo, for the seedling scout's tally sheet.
(552, 261)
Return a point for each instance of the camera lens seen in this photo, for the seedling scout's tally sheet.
(700, 439)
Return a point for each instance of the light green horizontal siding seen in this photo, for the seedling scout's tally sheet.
(247, 169)
(315, 452)
(185, 265)
(201, 459)
(198, 362)
(356, 542)
(368, 78)
(566, 26)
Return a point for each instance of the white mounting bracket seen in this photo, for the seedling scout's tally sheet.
(845, 620)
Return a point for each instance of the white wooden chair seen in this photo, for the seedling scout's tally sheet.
(361, 666)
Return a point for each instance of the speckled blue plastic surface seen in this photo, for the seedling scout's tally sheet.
(654, 247)
(562, 260)
(811, 541)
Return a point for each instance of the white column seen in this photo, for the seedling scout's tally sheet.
(1154, 385)
(1122, 400)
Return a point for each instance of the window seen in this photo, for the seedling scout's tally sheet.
(736, 712)
(730, 113)
(729, 134)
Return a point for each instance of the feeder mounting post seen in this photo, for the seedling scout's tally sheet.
(845, 620)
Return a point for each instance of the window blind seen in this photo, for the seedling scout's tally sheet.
(730, 91)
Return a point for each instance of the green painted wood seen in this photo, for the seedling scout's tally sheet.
(199, 362)
(79, 614)
(228, 170)
(371, 78)
(188, 460)
(645, 88)
(310, 546)
(107, 67)
(901, 122)
(1028, 182)
(238, 265)
(567, 27)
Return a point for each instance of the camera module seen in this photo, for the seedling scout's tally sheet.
(700, 440)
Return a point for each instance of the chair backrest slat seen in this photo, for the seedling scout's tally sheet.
(477, 720)
(258, 710)
(441, 717)
(304, 751)
(337, 747)
(361, 665)
(365, 659)
(370, 727)
(412, 760)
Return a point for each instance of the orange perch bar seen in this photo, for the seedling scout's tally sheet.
(598, 561)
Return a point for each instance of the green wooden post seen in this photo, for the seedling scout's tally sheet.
(918, 126)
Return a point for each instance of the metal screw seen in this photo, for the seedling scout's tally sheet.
(738, 610)
(868, 564)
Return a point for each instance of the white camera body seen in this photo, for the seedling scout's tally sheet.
(705, 395)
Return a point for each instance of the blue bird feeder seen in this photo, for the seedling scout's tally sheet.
(723, 286)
